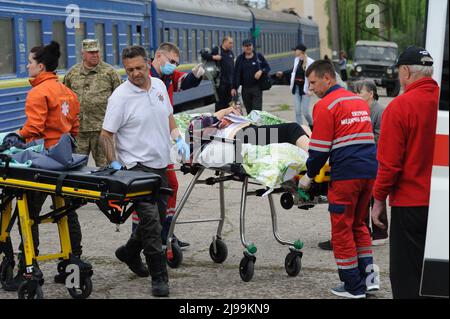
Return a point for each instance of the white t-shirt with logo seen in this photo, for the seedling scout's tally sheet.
(139, 119)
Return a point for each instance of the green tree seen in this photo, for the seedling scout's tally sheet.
(403, 22)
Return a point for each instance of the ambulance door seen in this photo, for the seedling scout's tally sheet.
(435, 279)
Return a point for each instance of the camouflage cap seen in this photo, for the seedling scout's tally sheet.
(90, 45)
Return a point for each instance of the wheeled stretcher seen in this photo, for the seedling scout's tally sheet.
(113, 191)
(235, 172)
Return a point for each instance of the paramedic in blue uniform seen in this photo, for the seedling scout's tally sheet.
(343, 134)
(137, 132)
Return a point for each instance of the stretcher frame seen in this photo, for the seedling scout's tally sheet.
(218, 250)
(65, 200)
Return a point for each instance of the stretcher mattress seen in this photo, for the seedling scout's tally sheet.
(87, 182)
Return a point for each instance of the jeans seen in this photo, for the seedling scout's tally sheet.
(302, 108)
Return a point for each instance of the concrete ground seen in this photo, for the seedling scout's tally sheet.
(198, 276)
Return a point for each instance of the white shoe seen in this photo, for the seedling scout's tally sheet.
(372, 289)
(379, 242)
(341, 292)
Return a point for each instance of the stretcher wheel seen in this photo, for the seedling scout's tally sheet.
(221, 253)
(30, 290)
(175, 260)
(287, 201)
(293, 264)
(84, 291)
(247, 268)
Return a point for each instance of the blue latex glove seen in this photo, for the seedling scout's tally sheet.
(115, 165)
(183, 148)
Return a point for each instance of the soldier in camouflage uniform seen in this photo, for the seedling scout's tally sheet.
(93, 81)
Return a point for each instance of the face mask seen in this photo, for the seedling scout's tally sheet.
(168, 68)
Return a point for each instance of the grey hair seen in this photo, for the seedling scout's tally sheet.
(423, 70)
(369, 85)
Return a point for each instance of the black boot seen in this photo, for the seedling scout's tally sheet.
(13, 284)
(131, 255)
(160, 277)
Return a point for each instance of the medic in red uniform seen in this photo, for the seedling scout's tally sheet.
(343, 135)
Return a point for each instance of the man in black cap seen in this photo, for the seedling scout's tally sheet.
(249, 69)
(224, 58)
(405, 156)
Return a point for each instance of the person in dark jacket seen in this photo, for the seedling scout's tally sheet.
(224, 58)
(249, 69)
(405, 156)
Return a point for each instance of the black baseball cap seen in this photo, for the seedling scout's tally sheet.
(415, 56)
(300, 47)
(247, 42)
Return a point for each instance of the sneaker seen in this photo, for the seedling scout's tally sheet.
(322, 199)
(379, 242)
(326, 245)
(181, 244)
(341, 292)
(372, 289)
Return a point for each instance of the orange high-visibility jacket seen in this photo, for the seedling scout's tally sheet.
(52, 110)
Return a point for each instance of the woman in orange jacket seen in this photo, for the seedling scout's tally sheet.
(52, 110)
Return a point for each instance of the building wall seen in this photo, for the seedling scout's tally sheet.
(305, 8)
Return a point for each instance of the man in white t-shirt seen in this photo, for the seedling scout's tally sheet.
(137, 132)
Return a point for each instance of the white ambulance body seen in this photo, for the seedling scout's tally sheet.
(435, 279)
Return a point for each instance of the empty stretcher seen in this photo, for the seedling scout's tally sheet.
(113, 191)
(235, 172)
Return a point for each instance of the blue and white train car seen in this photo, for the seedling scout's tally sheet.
(191, 24)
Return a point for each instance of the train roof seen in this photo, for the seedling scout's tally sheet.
(274, 16)
(212, 8)
(305, 21)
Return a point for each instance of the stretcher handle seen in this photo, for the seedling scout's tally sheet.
(112, 205)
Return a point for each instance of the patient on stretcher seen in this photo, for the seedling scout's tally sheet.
(230, 125)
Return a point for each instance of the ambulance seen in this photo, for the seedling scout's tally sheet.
(435, 280)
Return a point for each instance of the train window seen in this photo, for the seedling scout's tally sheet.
(166, 37)
(100, 36)
(80, 35)
(160, 36)
(217, 40)
(210, 40)
(115, 44)
(146, 37)
(34, 37)
(202, 40)
(59, 35)
(138, 35)
(129, 36)
(194, 45)
(176, 37)
(185, 46)
(7, 62)
(270, 51)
